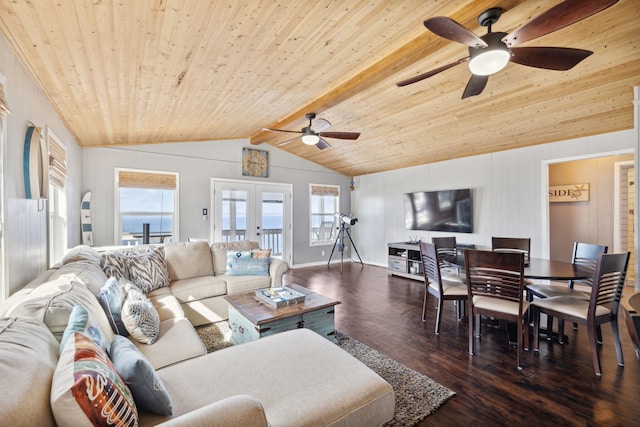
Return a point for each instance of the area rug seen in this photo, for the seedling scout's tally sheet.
(417, 395)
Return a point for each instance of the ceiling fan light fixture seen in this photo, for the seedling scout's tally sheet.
(489, 60)
(310, 139)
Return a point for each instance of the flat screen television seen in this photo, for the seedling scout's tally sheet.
(445, 210)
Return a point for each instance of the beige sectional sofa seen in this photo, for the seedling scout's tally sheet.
(295, 378)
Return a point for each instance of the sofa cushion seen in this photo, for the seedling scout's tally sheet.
(140, 316)
(148, 391)
(177, 341)
(81, 253)
(111, 298)
(83, 271)
(198, 288)
(148, 270)
(80, 321)
(237, 284)
(87, 389)
(52, 303)
(27, 343)
(220, 249)
(167, 306)
(188, 259)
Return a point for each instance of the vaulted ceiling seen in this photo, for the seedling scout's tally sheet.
(138, 72)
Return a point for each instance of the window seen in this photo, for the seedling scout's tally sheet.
(57, 198)
(324, 204)
(146, 199)
(4, 110)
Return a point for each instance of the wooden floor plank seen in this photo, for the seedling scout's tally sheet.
(556, 387)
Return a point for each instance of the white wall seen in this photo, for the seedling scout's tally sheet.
(25, 227)
(509, 198)
(197, 163)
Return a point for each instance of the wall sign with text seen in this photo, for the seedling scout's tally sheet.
(569, 193)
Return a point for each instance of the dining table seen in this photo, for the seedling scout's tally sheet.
(536, 269)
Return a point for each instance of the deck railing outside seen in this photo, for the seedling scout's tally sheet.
(269, 238)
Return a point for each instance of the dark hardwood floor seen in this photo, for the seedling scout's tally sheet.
(556, 387)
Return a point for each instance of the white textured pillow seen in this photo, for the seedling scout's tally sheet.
(139, 316)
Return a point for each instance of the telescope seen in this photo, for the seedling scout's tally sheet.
(347, 219)
(344, 221)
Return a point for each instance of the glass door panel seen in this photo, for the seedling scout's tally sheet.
(271, 221)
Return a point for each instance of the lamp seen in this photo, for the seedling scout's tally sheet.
(309, 137)
(491, 59)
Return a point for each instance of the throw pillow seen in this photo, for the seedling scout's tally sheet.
(148, 390)
(81, 253)
(114, 265)
(87, 390)
(111, 298)
(242, 266)
(80, 321)
(260, 253)
(140, 316)
(148, 270)
(28, 359)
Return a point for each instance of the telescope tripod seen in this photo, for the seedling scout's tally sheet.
(340, 243)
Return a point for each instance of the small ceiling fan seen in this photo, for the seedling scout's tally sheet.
(314, 133)
(492, 52)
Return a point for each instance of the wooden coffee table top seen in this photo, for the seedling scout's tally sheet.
(259, 312)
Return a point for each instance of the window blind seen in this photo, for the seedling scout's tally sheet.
(150, 180)
(325, 190)
(57, 163)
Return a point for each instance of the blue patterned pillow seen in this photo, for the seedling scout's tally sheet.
(111, 298)
(148, 390)
(240, 263)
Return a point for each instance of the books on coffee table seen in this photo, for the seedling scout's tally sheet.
(280, 297)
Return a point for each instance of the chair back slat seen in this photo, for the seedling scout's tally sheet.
(430, 263)
(608, 281)
(495, 274)
(585, 255)
(446, 248)
(513, 244)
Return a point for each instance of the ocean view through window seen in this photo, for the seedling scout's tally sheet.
(146, 198)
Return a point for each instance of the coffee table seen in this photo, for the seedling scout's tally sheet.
(250, 318)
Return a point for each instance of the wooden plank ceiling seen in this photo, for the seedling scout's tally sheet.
(139, 72)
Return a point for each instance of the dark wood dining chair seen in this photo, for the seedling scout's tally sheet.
(584, 256)
(513, 244)
(495, 283)
(440, 288)
(601, 307)
(447, 249)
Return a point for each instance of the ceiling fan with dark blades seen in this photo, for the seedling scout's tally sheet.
(315, 132)
(492, 52)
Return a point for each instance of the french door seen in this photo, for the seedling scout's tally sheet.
(246, 210)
